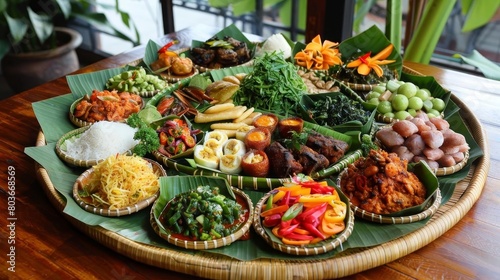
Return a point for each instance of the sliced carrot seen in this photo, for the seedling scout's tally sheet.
(301, 231)
(295, 242)
(275, 210)
(275, 231)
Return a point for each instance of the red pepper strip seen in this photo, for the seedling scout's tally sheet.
(279, 209)
(316, 212)
(287, 230)
(293, 199)
(313, 230)
(296, 236)
(285, 200)
(285, 224)
(272, 221)
(167, 46)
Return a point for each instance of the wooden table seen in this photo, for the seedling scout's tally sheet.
(47, 246)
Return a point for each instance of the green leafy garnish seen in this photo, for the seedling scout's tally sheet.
(296, 140)
(367, 144)
(274, 85)
(147, 136)
(332, 111)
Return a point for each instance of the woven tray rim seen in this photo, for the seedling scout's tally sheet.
(220, 267)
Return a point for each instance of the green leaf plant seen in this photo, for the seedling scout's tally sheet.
(28, 25)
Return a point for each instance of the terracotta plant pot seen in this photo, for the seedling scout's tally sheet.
(26, 70)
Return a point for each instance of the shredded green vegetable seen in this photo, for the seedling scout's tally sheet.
(274, 85)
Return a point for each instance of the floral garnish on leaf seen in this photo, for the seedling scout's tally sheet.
(319, 56)
(366, 63)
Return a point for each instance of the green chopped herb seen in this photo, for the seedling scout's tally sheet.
(274, 85)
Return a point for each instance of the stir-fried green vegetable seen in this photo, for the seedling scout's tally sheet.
(202, 214)
(337, 110)
(274, 85)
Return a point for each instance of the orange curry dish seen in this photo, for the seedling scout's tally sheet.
(381, 184)
(107, 105)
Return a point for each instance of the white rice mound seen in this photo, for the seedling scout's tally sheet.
(102, 140)
(276, 42)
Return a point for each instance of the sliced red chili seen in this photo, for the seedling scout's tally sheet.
(287, 230)
(167, 46)
(297, 236)
(313, 230)
(315, 212)
(272, 221)
(285, 200)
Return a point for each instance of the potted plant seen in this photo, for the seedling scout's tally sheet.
(35, 49)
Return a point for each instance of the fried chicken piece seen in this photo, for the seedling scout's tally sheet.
(283, 164)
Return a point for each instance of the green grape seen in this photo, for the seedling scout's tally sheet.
(408, 89)
(392, 85)
(379, 88)
(438, 104)
(384, 107)
(399, 102)
(374, 101)
(401, 115)
(372, 94)
(423, 94)
(415, 103)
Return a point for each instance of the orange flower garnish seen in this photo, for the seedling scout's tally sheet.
(319, 56)
(365, 63)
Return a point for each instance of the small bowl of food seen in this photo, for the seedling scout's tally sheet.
(269, 121)
(258, 138)
(304, 217)
(426, 139)
(288, 125)
(86, 146)
(104, 105)
(106, 190)
(200, 212)
(137, 81)
(222, 51)
(381, 189)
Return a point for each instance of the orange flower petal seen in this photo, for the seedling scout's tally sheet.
(383, 54)
(378, 70)
(354, 63)
(383, 62)
(364, 69)
(317, 39)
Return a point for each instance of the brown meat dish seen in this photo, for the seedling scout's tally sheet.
(330, 147)
(311, 160)
(381, 184)
(283, 164)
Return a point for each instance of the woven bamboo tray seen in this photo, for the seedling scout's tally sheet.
(207, 265)
(346, 263)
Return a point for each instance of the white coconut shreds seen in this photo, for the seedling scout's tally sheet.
(102, 140)
(276, 42)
